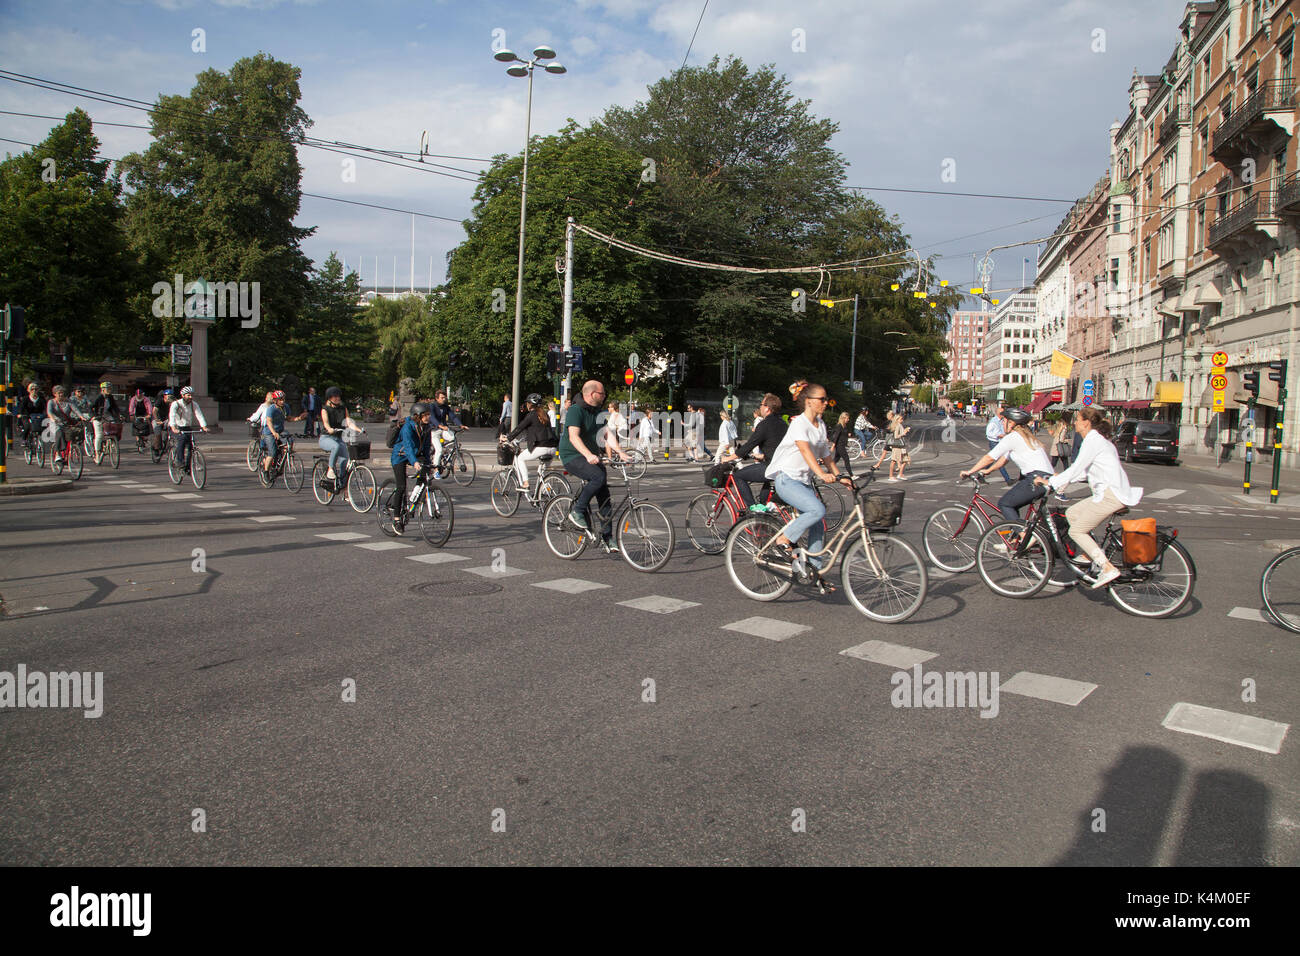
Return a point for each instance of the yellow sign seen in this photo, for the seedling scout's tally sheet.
(1219, 359)
(1218, 405)
(1061, 364)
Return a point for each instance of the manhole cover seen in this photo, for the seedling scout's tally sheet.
(468, 588)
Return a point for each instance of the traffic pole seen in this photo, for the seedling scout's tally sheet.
(1250, 443)
(1277, 434)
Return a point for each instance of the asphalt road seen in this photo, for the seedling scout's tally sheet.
(506, 717)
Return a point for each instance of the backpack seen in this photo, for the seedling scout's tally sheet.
(394, 430)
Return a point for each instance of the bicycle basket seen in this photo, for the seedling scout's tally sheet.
(882, 510)
(140, 428)
(715, 476)
(113, 430)
(359, 449)
(505, 454)
(1140, 543)
(254, 431)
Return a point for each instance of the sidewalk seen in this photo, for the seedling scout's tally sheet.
(1232, 473)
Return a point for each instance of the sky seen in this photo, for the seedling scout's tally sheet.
(1004, 97)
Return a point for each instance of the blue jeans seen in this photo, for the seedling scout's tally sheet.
(268, 443)
(1005, 476)
(861, 437)
(1020, 494)
(802, 498)
(338, 451)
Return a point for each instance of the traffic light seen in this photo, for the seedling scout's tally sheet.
(724, 368)
(451, 360)
(672, 372)
(554, 360)
(15, 327)
(1277, 371)
(681, 367)
(740, 370)
(1250, 382)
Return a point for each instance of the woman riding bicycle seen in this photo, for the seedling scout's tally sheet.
(105, 409)
(31, 412)
(1111, 491)
(159, 417)
(1022, 447)
(804, 452)
(334, 422)
(60, 414)
(540, 438)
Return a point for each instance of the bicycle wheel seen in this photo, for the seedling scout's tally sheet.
(853, 449)
(708, 519)
(646, 537)
(1018, 572)
(198, 468)
(832, 496)
(252, 454)
(636, 467)
(746, 538)
(361, 488)
(174, 469)
(462, 468)
(891, 588)
(1279, 588)
(505, 493)
(88, 443)
(29, 452)
(1146, 591)
(293, 473)
(950, 536)
(76, 462)
(552, 487)
(56, 463)
(266, 476)
(565, 539)
(112, 454)
(877, 449)
(436, 516)
(322, 487)
(384, 505)
(40, 454)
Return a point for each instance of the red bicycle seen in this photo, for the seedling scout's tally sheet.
(67, 453)
(710, 515)
(950, 534)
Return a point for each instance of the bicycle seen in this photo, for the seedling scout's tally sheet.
(642, 532)
(164, 445)
(950, 534)
(286, 465)
(1016, 559)
(506, 493)
(1279, 589)
(68, 455)
(198, 466)
(456, 460)
(856, 450)
(882, 574)
(253, 452)
(111, 452)
(33, 447)
(425, 499)
(140, 431)
(354, 475)
(711, 515)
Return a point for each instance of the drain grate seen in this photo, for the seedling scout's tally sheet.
(469, 588)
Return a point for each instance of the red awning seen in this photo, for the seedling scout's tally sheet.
(1114, 403)
(1039, 403)
(1141, 403)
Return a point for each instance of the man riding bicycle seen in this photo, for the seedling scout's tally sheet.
(59, 413)
(443, 422)
(105, 409)
(184, 414)
(577, 441)
(273, 430)
(158, 419)
(410, 449)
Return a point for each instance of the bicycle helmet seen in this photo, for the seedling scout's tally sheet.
(418, 409)
(105, 384)
(534, 399)
(333, 392)
(186, 391)
(1017, 416)
(277, 394)
(166, 391)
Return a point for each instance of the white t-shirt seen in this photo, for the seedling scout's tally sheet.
(787, 458)
(1027, 459)
(259, 416)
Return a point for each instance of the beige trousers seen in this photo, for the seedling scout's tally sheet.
(1085, 516)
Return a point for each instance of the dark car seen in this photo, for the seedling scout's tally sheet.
(1157, 441)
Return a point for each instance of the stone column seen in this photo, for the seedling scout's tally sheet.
(199, 367)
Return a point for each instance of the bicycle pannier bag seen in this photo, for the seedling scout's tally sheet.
(1140, 544)
(394, 429)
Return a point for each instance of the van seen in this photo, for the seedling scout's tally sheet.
(1154, 441)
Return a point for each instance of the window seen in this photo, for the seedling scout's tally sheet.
(1225, 107)
(1205, 75)
(1114, 218)
(1146, 259)
(1148, 187)
(1205, 146)
(1252, 80)
(1279, 166)
(1255, 16)
(1198, 242)
(1285, 62)
(1114, 275)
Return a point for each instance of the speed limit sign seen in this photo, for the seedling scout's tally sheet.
(1219, 382)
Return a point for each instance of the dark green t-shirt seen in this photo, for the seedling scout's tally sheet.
(584, 416)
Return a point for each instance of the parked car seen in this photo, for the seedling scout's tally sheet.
(1156, 441)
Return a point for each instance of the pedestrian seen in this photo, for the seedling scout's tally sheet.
(726, 436)
(690, 437)
(310, 409)
(615, 429)
(838, 437)
(994, 432)
(1060, 437)
(647, 434)
(702, 429)
(506, 409)
(394, 408)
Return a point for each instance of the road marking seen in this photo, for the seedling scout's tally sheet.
(1248, 614)
(181, 496)
(570, 585)
(894, 655)
(1059, 690)
(656, 604)
(1240, 729)
(438, 557)
(476, 507)
(121, 481)
(767, 627)
(343, 536)
(241, 511)
(493, 572)
(214, 504)
(151, 489)
(1166, 493)
(383, 545)
(267, 518)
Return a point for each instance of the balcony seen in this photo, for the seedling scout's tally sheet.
(1124, 187)
(1171, 271)
(1247, 223)
(1261, 118)
(1288, 195)
(1172, 123)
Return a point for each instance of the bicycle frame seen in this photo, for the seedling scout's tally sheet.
(851, 526)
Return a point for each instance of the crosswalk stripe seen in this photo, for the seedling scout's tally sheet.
(180, 497)
(264, 519)
(241, 511)
(1247, 614)
(214, 504)
(893, 655)
(1058, 690)
(657, 604)
(570, 585)
(437, 557)
(1240, 729)
(767, 627)
(1165, 493)
(491, 572)
(383, 545)
(343, 536)
(476, 507)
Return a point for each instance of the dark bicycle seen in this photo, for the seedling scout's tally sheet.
(642, 532)
(198, 465)
(425, 500)
(286, 465)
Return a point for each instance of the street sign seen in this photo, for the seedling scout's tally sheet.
(1219, 382)
(629, 376)
(1089, 387)
(1087, 400)
(857, 386)
(155, 348)
(847, 383)
(633, 360)
(180, 355)
(1219, 359)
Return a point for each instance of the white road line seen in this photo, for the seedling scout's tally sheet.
(152, 489)
(343, 536)
(1248, 614)
(438, 557)
(490, 572)
(181, 496)
(383, 545)
(475, 507)
(894, 655)
(241, 511)
(1165, 493)
(268, 518)
(767, 627)
(1240, 729)
(213, 504)
(1058, 690)
(570, 585)
(657, 604)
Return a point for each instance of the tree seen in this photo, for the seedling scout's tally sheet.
(1020, 395)
(214, 197)
(333, 343)
(401, 325)
(63, 249)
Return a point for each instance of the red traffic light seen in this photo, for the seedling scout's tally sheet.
(629, 376)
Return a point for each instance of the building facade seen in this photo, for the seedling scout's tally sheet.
(1009, 345)
(966, 354)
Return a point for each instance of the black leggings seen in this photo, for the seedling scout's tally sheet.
(595, 485)
(744, 476)
(1020, 494)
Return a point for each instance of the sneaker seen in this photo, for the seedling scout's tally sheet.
(1105, 578)
(760, 509)
(578, 520)
(609, 546)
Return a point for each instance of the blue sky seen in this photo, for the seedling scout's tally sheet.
(1011, 90)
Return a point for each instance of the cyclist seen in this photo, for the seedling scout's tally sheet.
(861, 427)
(443, 421)
(334, 421)
(273, 430)
(535, 428)
(1023, 448)
(59, 413)
(159, 417)
(79, 403)
(994, 431)
(31, 413)
(1099, 461)
(804, 452)
(411, 448)
(577, 441)
(105, 409)
(139, 405)
(184, 414)
(259, 417)
(761, 445)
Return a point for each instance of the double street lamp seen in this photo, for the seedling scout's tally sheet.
(523, 68)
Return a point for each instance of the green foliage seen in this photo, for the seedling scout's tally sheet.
(334, 342)
(401, 326)
(1020, 395)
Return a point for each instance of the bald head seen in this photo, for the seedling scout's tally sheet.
(593, 393)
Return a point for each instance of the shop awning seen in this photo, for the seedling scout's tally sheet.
(1168, 393)
(1137, 404)
(1114, 403)
(1234, 383)
(1042, 400)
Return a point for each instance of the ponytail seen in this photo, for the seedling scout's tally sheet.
(1098, 421)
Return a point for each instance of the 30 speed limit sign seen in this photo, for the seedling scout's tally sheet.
(1219, 382)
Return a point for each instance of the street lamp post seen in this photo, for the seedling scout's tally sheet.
(523, 68)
